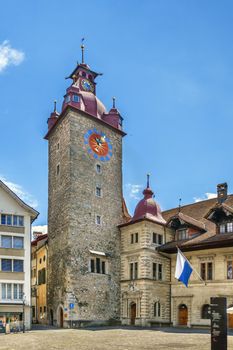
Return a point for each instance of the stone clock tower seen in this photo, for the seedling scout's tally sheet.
(85, 206)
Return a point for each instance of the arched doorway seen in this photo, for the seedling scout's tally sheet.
(133, 310)
(61, 317)
(183, 315)
(51, 317)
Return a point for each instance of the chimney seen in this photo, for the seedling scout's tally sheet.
(37, 235)
(222, 192)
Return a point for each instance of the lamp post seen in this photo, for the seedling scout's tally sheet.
(23, 313)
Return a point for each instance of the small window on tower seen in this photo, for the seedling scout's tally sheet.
(67, 99)
(75, 98)
(98, 220)
(90, 77)
(58, 146)
(58, 169)
(98, 168)
(98, 191)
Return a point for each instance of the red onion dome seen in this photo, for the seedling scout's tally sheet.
(147, 208)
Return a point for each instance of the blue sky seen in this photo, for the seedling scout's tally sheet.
(169, 64)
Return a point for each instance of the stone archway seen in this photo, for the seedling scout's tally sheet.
(182, 315)
(133, 312)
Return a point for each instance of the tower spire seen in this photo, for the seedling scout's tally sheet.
(114, 102)
(82, 48)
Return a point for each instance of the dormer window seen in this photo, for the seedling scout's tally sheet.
(222, 228)
(181, 234)
(67, 99)
(225, 228)
(75, 98)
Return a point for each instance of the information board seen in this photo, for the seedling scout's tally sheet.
(218, 323)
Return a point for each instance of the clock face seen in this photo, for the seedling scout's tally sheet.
(87, 85)
(98, 145)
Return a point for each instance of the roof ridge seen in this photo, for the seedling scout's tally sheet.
(195, 203)
(19, 200)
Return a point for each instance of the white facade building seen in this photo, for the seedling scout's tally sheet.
(15, 259)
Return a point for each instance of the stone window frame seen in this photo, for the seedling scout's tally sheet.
(156, 278)
(102, 258)
(134, 238)
(228, 259)
(133, 270)
(132, 259)
(157, 235)
(157, 309)
(205, 260)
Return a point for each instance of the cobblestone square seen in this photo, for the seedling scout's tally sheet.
(109, 339)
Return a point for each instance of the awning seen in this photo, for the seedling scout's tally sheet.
(97, 253)
(230, 310)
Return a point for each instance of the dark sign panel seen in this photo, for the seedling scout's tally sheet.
(218, 323)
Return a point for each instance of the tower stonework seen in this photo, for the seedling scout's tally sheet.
(85, 207)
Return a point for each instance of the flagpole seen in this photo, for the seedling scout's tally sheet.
(191, 265)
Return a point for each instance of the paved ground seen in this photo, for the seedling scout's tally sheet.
(109, 339)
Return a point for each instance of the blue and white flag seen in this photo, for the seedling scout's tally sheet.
(183, 268)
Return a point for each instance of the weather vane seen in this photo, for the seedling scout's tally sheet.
(179, 204)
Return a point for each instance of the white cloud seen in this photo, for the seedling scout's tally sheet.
(207, 195)
(9, 56)
(133, 191)
(20, 192)
(42, 228)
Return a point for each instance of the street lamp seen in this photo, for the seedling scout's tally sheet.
(23, 313)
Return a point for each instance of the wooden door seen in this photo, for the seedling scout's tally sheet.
(230, 320)
(61, 317)
(132, 314)
(183, 315)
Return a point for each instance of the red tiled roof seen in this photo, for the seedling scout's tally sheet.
(198, 212)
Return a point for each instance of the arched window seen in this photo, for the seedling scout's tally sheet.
(157, 309)
(90, 77)
(205, 311)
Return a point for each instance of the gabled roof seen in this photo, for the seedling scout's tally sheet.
(198, 213)
(188, 220)
(219, 206)
(34, 213)
(43, 238)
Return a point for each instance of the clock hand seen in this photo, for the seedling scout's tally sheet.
(98, 141)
